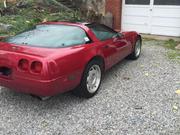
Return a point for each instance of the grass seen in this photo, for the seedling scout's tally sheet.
(171, 44)
(172, 53)
(27, 17)
(148, 39)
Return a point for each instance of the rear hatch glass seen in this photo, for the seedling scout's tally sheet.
(50, 36)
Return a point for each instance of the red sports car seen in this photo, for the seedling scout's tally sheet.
(56, 57)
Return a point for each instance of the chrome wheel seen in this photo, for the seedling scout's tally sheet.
(138, 48)
(93, 78)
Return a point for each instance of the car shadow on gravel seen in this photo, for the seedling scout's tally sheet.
(12, 97)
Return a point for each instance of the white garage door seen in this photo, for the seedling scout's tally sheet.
(161, 17)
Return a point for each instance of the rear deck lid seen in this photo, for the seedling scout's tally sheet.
(35, 51)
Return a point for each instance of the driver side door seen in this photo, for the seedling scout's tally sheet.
(112, 43)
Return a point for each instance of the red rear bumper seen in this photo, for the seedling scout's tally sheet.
(35, 87)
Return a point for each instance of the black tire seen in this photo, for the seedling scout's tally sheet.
(133, 55)
(82, 90)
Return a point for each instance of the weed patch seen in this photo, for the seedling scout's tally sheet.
(172, 53)
(26, 18)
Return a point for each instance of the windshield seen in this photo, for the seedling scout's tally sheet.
(51, 36)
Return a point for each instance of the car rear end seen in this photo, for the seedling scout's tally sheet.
(33, 61)
(27, 73)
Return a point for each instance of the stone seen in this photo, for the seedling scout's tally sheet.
(5, 27)
(178, 47)
(22, 4)
(95, 5)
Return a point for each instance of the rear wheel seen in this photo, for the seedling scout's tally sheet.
(137, 50)
(91, 80)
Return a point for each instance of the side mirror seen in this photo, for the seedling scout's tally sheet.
(87, 40)
(119, 35)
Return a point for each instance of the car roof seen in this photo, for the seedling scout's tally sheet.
(78, 24)
(67, 22)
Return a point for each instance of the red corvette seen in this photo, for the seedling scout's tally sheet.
(56, 57)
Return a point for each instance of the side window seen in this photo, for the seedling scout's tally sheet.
(102, 32)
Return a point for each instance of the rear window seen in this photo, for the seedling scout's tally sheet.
(51, 36)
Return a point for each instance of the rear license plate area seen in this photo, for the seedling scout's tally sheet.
(5, 71)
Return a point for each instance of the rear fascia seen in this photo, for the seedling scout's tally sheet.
(40, 84)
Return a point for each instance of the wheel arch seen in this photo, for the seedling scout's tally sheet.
(94, 58)
(97, 58)
(81, 88)
(139, 37)
(136, 37)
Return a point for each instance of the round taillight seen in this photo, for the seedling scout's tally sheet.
(36, 67)
(23, 64)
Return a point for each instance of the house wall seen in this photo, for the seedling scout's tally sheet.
(115, 7)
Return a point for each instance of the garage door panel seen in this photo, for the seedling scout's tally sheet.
(140, 11)
(168, 31)
(166, 12)
(158, 17)
(166, 22)
(136, 20)
(134, 27)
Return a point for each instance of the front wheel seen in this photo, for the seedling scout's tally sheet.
(137, 50)
(91, 80)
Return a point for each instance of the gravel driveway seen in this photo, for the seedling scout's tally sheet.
(136, 98)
